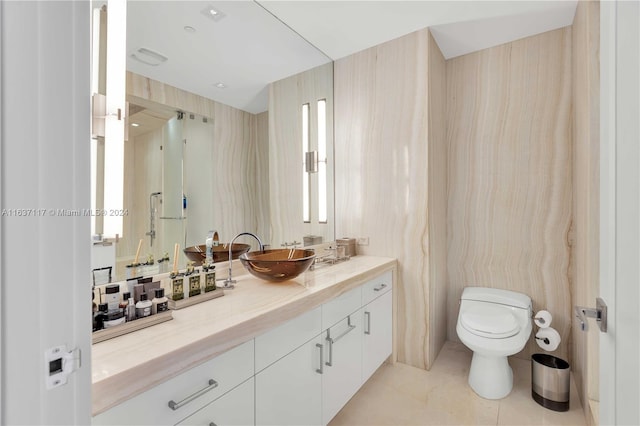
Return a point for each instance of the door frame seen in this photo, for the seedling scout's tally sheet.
(620, 210)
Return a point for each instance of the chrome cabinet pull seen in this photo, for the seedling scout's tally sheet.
(368, 329)
(175, 405)
(379, 287)
(319, 370)
(335, 339)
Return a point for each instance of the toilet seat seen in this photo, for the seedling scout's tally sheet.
(490, 320)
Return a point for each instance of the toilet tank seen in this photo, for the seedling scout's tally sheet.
(496, 295)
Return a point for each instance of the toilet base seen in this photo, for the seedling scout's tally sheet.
(490, 377)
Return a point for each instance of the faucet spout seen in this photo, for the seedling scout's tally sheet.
(229, 282)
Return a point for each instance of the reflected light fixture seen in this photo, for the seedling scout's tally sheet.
(114, 121)
(220, 85)
(212, 13)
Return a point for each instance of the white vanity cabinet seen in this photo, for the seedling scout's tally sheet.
(301, 372)
(377, 328)
(183, 395)
(233, 408)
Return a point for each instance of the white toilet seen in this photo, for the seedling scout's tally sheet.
(494, 324)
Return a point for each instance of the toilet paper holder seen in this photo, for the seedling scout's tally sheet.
(599, 313)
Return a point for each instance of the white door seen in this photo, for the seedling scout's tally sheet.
(288, 392)
(620, 211)
(45, 273)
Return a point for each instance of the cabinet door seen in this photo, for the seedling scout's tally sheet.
(343, 364)
(288, 392)
(377, 334)
(232, 408)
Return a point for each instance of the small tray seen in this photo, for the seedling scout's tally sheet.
(203, 297)
(130, 327)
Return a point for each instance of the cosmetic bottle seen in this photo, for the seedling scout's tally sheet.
(100, 317)
(130, 310)
(194, 285)
(177, 289)
(210, 279)
(143, 307)
(159, 303)
(125, 300)
(112, 296)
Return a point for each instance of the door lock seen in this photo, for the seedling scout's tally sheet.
(599, 313)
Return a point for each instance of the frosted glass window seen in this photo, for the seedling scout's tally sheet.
(322, 164)
(306, 211)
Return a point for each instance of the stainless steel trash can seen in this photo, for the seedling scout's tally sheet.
(550, 381)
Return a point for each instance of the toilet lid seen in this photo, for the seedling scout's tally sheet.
(490, 320)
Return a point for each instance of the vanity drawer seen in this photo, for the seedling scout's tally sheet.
(191, 391)
(376, 287)
(278, 342)
(340, 307)
(232, 408)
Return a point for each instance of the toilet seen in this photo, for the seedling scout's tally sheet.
(494, 324)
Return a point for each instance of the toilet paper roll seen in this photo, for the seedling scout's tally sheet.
(543, 319)
(548, 339)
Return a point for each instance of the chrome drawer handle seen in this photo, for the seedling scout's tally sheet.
(319, 370)
(335, 339)
(380, 287)
(175, 405)
(368, 315)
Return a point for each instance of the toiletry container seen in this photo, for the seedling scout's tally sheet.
(159, 303)
(130, 310)
(100, 316)
(143, 307)
(112, 296)
(349, 245)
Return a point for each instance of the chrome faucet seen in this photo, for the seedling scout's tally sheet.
(211, 241)
(229, 282)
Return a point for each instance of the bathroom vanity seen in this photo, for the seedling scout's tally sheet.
(266, 353)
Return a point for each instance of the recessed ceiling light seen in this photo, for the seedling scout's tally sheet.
(135, 124)
(221, 85)
(189, 29)
(213, 13)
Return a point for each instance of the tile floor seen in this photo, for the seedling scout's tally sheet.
(402, 395)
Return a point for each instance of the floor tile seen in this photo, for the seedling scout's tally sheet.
(399, 394)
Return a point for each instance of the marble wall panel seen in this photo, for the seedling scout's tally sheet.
(586, 154)
(510, 175)
(382, 162)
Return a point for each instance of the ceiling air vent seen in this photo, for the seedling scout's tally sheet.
(148, 57)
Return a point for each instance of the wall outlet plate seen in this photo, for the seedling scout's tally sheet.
(363, 241)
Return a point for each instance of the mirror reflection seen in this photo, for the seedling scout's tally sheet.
(195, 165)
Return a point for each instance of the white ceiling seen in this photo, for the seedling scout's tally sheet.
(256, 42)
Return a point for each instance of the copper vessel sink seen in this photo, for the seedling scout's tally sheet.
(278, 264)
(220, 252)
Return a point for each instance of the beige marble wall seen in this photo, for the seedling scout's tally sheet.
(382, 163)
(286, 98)
(437, 199)
(586, 145)
(510, 175)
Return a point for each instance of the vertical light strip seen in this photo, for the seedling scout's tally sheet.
(114, 122)
(322, 161)
(94, 179)
(306, 211)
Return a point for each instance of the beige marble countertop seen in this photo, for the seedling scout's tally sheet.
(128, 365)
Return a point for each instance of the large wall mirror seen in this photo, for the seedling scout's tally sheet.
(230, 128)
